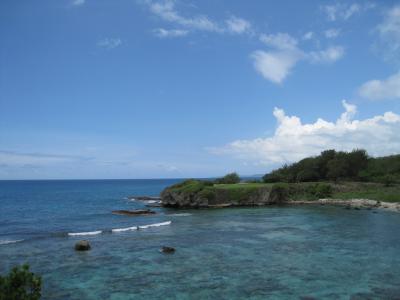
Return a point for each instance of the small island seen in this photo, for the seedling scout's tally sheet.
(334, 177)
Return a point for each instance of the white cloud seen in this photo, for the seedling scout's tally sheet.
(109, 43)
(344, 11)
(328, 55)
(14, 158)
(78, 2)
(275, 65)
(332, 33)
(388, 88)
(238, 25)
(282, 41)
(389, 31)
(170, 33)
(294, 140)
(308, 35)
(166, 11)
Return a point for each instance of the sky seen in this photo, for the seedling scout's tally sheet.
(113, 89)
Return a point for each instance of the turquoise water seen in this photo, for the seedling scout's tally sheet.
(307, 252)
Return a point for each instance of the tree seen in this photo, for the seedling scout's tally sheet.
(229, 179)
(20, 284)
(337, 168)
(357, 160)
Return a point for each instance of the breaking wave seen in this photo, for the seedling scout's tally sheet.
(84, 233)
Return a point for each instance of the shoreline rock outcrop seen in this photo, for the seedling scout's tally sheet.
(137, 212)
(203, 194)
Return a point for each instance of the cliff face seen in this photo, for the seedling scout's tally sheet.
(197, 194)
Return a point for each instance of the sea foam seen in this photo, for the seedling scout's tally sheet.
(179, 215)
(124, 229)
(155, 225)
(84, 233)
(6, 242)
(141, 227)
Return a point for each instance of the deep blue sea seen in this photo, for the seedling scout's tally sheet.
(303, 252)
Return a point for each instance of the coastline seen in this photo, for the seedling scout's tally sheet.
(349, 203)
(352, 203)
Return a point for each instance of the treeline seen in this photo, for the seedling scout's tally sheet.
(333, 165)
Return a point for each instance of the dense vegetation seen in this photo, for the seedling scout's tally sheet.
(20, 284)
(339, 165)
(230, 178)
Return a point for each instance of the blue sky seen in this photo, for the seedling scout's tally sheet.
(154, 89)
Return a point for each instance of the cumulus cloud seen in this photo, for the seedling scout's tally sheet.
(388, 88)
(389, 32)
(276, 64)
(294, 140)
(109, 43)
(344, 11)
(170, 33)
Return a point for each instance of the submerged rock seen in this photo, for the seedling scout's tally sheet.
(137, 212)
(166, 249)
(82, 246)
(144, 198)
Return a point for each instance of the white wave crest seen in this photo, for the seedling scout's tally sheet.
(179, 215)
(84, 233)
(155, 225)
(124, 229)
(141, 227)
(6, 242)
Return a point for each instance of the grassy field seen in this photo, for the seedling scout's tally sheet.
(243, 185)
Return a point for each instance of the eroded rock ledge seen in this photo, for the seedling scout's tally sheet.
(353, 203)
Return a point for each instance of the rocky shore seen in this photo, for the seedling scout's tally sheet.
(353, 203)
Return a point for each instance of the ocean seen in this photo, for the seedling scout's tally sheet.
(302, 252)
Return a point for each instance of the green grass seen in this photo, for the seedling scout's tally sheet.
(242, 186)
(189, 186)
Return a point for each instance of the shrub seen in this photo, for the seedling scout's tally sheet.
(388, 180)
(20, 284)
(323, 190)
(207, 193)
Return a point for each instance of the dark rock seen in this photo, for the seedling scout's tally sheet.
(166, 249)
(82, 246)
(154, 205)
(137, 212)
(357, 208)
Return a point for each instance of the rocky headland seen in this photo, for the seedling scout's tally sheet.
(204, 194)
